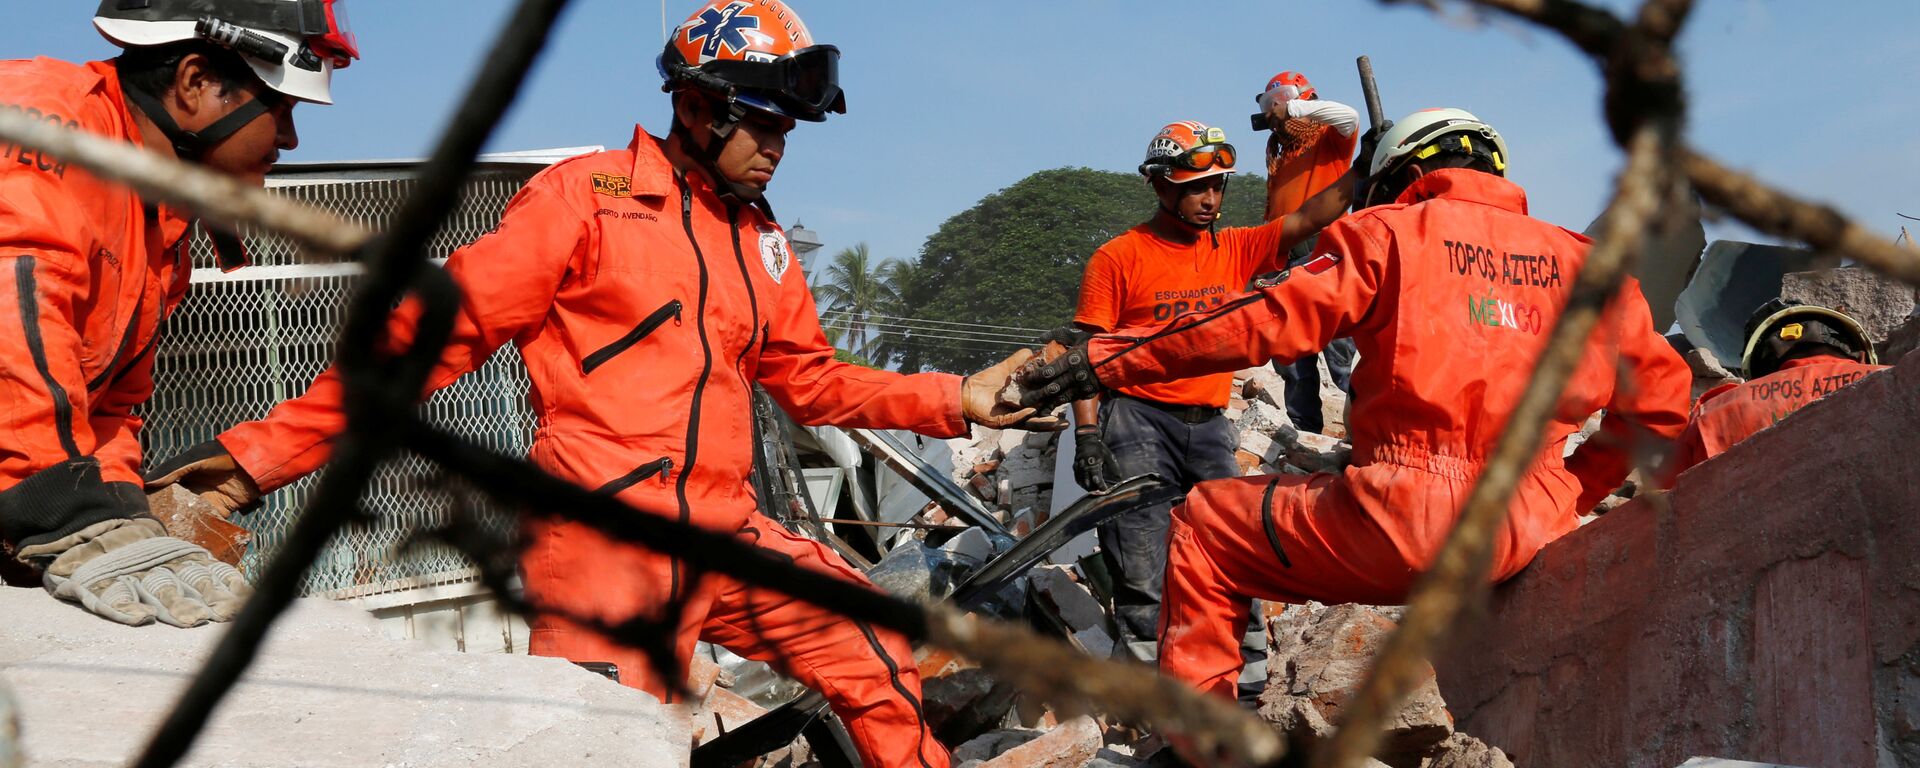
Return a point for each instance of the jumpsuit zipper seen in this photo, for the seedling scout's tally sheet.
(753, 299)
(641, 331)
(126, 340)
(700, 385)
(662, 466)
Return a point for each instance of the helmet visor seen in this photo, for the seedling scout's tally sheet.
(325, 24)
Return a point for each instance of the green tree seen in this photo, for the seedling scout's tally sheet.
(899, 345)
(1015, 257)
(849, 292)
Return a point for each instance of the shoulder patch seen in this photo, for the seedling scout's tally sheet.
(1320, 263)
(775, 253)
(612, 186)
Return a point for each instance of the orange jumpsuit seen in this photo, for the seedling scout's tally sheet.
(87, 273)
(1730, 413)
(645, 309)
(1450, 296)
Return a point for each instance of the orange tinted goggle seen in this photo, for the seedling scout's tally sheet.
(1206, 157)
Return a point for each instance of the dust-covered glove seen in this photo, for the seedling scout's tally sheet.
(131, 572)
(1060, 375)
(1094, 467)
(210, 472)
(988, 398)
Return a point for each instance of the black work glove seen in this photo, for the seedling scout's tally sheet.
(1369, 143)
(1059, 376)
(1094, 467)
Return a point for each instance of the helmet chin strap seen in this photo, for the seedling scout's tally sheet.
(193, 146)
(727, 116)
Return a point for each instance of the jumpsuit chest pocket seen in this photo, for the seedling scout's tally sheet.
(646, 327)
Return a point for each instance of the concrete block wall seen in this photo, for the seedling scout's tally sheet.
(1768, 609)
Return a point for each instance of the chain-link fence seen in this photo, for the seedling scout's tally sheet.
(248, 340)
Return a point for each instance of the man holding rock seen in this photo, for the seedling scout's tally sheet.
(89, 270)
(1178, 262)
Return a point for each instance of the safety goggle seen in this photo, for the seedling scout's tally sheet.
(324, 25)
(1206, 157)
(808, 78)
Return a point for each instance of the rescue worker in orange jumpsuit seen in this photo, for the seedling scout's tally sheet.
(88, 272)
(1176, 262)
(1450, 293)
(648, 289)
(1796, 354)
(1310, 148)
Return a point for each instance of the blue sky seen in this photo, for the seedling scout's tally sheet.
(952, 101)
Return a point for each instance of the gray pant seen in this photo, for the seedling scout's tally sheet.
(1134, 544)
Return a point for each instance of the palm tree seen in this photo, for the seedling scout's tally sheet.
(906, 281)
(851, 290)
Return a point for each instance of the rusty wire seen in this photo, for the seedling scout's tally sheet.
(216, 198)
(1643, 108)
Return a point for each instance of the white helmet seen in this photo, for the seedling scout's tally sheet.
(1415, 137)
(292, 45)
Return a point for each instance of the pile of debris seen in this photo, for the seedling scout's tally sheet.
(1010, 470)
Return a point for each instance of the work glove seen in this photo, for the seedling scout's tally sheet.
(131, 572)
(1094, 467)
(210, 472)
(990, 399)
(1059, 375)
(1369, 143)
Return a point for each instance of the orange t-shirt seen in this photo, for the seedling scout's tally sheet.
(1140, 281)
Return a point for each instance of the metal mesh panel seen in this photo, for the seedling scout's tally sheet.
(242, 343)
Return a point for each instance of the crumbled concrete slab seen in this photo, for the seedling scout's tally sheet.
(10, 756)
(1463, 751)
(327, 690)
(1879, 303)
(1071, 745)
(1068, 597)
(1320, 659)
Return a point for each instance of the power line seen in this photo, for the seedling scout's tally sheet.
(838, 311)
(922, 333)
(982, 335)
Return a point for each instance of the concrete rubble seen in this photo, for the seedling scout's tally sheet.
(1881, 304)
(327, 690)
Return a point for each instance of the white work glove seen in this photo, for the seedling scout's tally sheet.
(131, 572)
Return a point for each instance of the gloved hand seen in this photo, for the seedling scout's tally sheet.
(1060, 375)
(209, 471)
(131, 572)
(985, 399)
(1094, 467)
(1369, 143)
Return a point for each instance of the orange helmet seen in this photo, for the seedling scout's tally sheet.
(755, 53)
(1285, 86)
(1187, 150)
